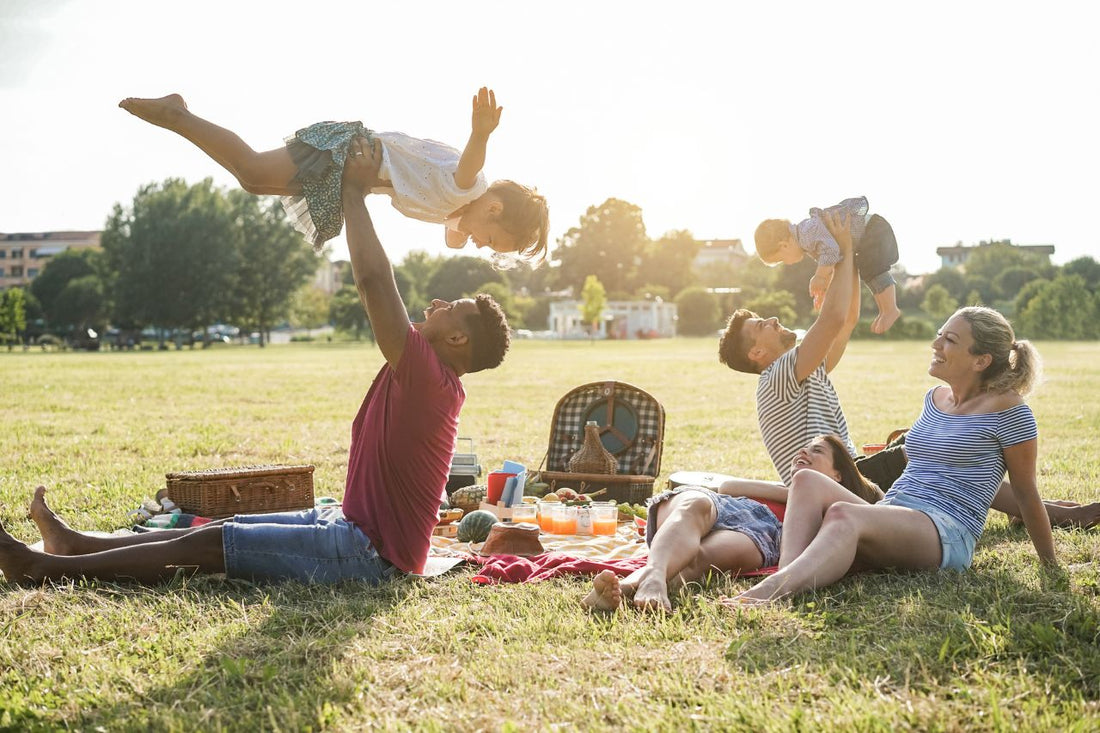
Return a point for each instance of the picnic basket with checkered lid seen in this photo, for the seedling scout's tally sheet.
(631, 424)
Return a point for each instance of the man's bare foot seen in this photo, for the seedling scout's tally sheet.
(1068, 514)
(162, 112)
(16, 559)
(652, 593)
(885, 319)
(606, 595)
(57, 537)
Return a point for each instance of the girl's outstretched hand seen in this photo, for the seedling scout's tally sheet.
(486, 114)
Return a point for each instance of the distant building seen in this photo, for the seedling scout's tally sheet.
(957, 255)
(622, 319)
(330, 275)
(24, 254)
(727, 254)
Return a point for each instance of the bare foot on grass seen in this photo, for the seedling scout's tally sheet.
(16, 559)
(606, 594)
(652, 593)
(1068, 514)
(57, 537)
(884, 320)
(162, 112)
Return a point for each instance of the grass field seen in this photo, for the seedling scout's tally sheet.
(1002, 647)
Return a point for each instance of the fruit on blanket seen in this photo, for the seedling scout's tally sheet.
(475, 526)
(551, 497)
(536, 488)
(566, 494)
(469, 498)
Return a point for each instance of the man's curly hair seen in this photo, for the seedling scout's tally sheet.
(489, 334)
(732, 349)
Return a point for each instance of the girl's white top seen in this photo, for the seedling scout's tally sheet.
(421, 177)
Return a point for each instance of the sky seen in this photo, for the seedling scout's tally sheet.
(960, 121)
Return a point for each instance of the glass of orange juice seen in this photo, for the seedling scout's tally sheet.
(565, 519)
(546, 516)
(605, 519)
(525, 513)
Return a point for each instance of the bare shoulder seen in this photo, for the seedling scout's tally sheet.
(1001, 401)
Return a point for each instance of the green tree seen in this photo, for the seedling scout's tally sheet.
(938, 303)
(593, 301)
(1087, 268)
(82, 304)
(413, 276)
(667, 262)
(13, 315)
(347, 313)
(61, 270)
(609, 243)
(309, 308)
(173, 255)
(1007, 284)
(1062, 308)
(775, 304)
(990, 259)
(502, 294)
(457, 276)
(696, 312)
(950, 280)
(274, 264)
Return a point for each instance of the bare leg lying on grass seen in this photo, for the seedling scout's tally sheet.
(684, 549)
(271, 172)
(145, 558)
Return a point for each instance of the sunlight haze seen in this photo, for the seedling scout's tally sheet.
(959, 122)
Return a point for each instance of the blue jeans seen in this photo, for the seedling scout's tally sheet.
(956, 543)
(313, 546)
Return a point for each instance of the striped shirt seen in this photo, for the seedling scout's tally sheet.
(956, 462)
(792, 413)
(813, 236)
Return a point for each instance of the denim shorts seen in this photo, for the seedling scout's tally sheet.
(313, 546)
(735, 513)
(956, 543)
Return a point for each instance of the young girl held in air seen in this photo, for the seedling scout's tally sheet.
(425, 179)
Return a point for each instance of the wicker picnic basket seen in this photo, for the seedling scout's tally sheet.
(631, 426)
(223, 492)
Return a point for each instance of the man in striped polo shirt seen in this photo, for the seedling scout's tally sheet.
(796, 402)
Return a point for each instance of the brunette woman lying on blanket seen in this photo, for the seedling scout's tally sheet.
(693, 530)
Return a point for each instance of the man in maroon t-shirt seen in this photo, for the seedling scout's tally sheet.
(401, 446)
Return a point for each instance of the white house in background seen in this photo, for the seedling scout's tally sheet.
(330, 275)
(622, 319)
(957, 255)
(729, 253)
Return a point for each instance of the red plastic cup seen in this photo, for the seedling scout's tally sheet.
(495, 485)
(871, 448)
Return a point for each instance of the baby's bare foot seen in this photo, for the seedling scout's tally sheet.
(57, 537)
(885, 319)
(163, 111)
(606, 595)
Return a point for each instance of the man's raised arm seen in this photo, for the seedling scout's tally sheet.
(818, 342)
(369, 263)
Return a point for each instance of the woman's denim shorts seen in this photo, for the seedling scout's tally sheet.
(735, 513)
(313, 546)
(956, 543)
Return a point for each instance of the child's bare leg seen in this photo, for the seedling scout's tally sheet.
(60, 539)
(271, 172)
(887, 310)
